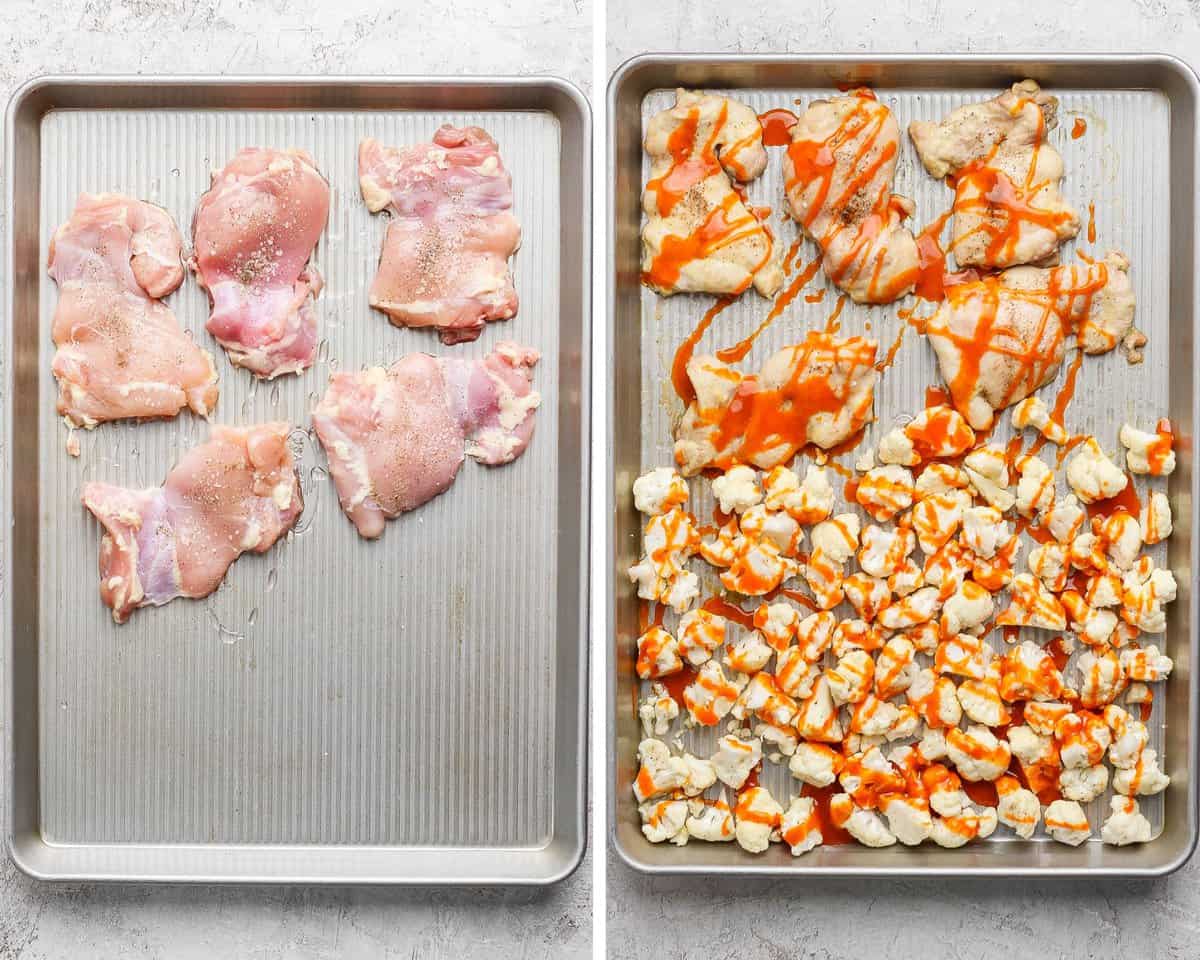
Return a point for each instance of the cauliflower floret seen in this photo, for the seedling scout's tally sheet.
(976, 753)
(983, 531)
(701, 775)
(749, 654)
(1033, 412)
(963, 655)
(865, 826)
(906, 724)
(1086, 554)
(815, 764)
(1048, 562)
(793, 673)
(1042, 716)
(1032, 605)
(1093, 626)
(944, 788)
(939, 431)
(700, 634)
(681, 590)
(1100, 678)
(908, 578)
(777, 622)
(784, 739)
(918, 607)
(824, 578)
(737, 489)
(967, 609)
(815, 633)
(757, 568)
(1064, 519)
(1144, 591)
(658, 654)
(719, 550)
(800, 826)
(940, 478)
(1031, 748)
(818, 716)
(954, 831)
(987, 469)
(657, 711)
(1035, 489)
(884, 551)
(669, 540)
(710, 820)
(781, 487)
(1030, 674)
(996, 573)
(932, 745)
(735, 758)
(1083, 784)
(837, 538)
(1150, 453)
(908, 818)
(873, 717)
(850, 680)
(884, 491)
(1065, 822)
(981, 700)
(1155, 518)
(660, 772)
(757, 816)
(815, 500)
(1144, 778)
(1121, 537)
(659, 490)
(1092, 475)
(1129, 737)
(1082, 739)
(1104, 589)
(1146, 664)
(866, 594)
(936, 517)
(665, 820)
(758, 523)
(1125, 823)
(856, 635)
(1018, 808)
(763, 698)
(935, 699)
(710, 696)
(896, 448)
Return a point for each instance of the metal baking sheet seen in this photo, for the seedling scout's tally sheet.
(399, 711)
(1137, 165)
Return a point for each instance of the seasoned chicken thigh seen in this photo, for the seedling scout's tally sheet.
(121, 352)
(700, 236)
(253, 234)
(450, 235)
(819, 391)
(838, 173)
(1000, 338)
(237, 492)
(1007, 205)
(396, 437)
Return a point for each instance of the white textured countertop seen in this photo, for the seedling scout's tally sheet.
(971, 920)
(116, 922)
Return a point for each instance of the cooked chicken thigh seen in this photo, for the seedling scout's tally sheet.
(237, 492)
(395, 437)
(121, 352)
(838, 173)
(253, 234)
(1000, 338)
(445, 256)
(819, 391)
(700, 236)
(1007, 205)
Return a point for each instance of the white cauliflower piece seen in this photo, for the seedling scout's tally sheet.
(658, 654)
(1066, 822)
(1144, 778)
(1155, 518)
(1083, 784)
(865, 826)
(735, 758)
(660, 772)
(1121, 537)
(1064, 519)
(709, 697)
(1029, 747)
(976, 753)
(935, 699)
(1092, 475)
(657, 711)
(793, 673)
(884, 491)
(1144, 592)
(777, 622)
(918, 607)
(748, 654)
(984, 530)
(937, 516)
(701, 633)
(884, 551)
(837, 538)
(1149, 453)
(940, 478)
(1018, 807)
(896, 448)
(757, 816)
(815, 502)
(1033, 412)
(967, 609)
(737, 489)
(1048, 562)
(658, 491)
(867, 594)
(850, 680)
(710, 820)
(1100, 678)
(665, 820)
(987, 469)
(815, 633)
(818, 716)
(701, 775)
(784, 739)
(1125, 823)
(1032, 605)
(1035, 488)
(908, 819)
(815, 764)
(800, 826)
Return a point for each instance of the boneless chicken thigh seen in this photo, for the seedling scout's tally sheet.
(396, 437)
(445, 254)
(121, 352)
(237, 492)
(253, 236)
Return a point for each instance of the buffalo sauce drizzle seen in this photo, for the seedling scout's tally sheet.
(1127, 501)
(679, 376)
(831, 834)
(785, 297)
(728, 223)
(1078, 128)
(777, 126)
(931, 261)
(823, 217)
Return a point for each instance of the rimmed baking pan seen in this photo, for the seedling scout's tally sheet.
(408, 710)
(1137, 166)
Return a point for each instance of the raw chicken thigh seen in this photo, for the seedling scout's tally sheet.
(445, 255)
(253, 234)
(396, 437)
(999, 338)
(121, 352)
(1007, 205)
(838, 174)
(819, 391)
(237, 492)
(700, 235)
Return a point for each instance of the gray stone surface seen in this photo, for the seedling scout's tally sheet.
(116, 922)
(675, 918)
